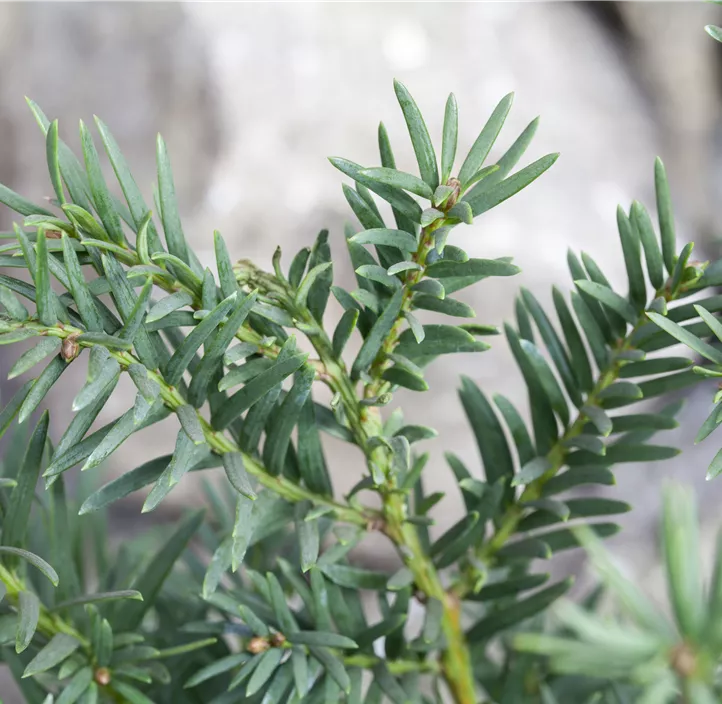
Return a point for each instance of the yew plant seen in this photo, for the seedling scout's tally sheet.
(258, 598)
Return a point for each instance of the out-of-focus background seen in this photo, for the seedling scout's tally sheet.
(251, 98)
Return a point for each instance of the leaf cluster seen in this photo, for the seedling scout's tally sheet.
(659, 657)
(260, 599)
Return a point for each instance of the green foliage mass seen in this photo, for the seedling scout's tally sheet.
(256, 599)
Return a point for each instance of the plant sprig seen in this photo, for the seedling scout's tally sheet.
(264, 601)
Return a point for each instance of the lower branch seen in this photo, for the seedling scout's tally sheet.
(218, 442)
(556, 456)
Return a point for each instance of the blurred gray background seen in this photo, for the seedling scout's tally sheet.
(251, 98)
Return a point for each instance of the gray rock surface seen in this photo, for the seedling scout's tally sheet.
(252, 97)
(678, 73)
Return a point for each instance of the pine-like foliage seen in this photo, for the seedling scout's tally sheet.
(656, 657)
(258, 600)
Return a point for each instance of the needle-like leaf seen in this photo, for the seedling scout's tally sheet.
(424, 149)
